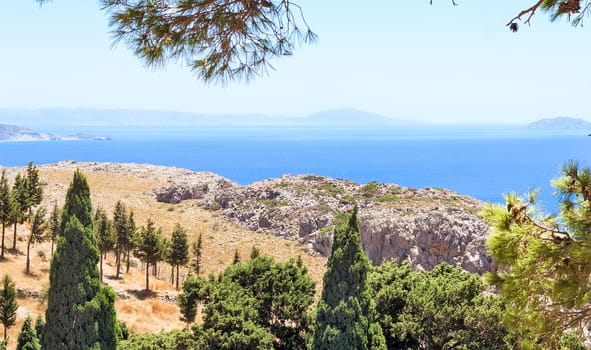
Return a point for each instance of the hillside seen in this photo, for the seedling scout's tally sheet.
(283, 217)
(133, 185)
(17, 133)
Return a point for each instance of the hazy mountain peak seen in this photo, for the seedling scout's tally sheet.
(560, 123)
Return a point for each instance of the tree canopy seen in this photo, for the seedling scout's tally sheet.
(228, 40)
(544, 261)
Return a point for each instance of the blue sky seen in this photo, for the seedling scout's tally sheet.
(402, 59)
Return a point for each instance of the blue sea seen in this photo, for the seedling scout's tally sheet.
(483, 161)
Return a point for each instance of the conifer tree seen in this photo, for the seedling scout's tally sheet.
(120, 223)
(28, 339)
(131, 238)
(38, 229)
(75, 304)
(105, 236)
(54, 225)
(197, 252)
(39, 326)
(150, 248)
(179, 250)
(34, 188)
(345, 313)
(8, 305)
(4, 208)
(18, 204)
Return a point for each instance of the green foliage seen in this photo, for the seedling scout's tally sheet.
(194, 292)
(440, 309)
(544, 261)
(150, 247)
(387, 198)
(77, 307)
(19, 199)
(38, 230)
(5, 208)
(54, 225)
(105, 236)
(179, 250)
(220, 40)
(197, 252)
(122, 233)
(369, 189)
(8, 305)
(34, 186)
(236, 258)
(330, 189)
(27, 339)
(254, 304)
(274, 203)
(345, 316)
(39, 327)
(174, 340)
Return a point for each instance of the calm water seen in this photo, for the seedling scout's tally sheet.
(481, 162)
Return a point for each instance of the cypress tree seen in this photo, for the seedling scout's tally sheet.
(75, 314)
(345, 313)
(105, 237)
(120, 223)
(28, 339)
(39, 326)
(8, 305)
(131, 238)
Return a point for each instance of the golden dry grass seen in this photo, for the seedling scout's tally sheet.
(220, 240)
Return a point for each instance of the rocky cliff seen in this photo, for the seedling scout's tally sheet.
(423, 226)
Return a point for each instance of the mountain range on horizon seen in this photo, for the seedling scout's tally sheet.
(53, 120)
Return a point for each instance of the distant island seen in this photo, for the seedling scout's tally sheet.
(17, 133)
(560, 123)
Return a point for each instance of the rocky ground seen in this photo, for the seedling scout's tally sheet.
(422, 226)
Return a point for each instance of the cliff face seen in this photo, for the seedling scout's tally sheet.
(423, 226)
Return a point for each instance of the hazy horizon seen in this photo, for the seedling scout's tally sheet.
(438, 64)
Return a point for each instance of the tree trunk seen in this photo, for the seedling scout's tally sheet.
(101, 268)
(117, 261)
(171, 274)
(147, 275)
(154, 270)
(3, 232)
(127, 265)
(52, 243)
(28, 256)
(14, 238)
(177, 277)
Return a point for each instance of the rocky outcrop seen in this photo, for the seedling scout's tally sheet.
(422, 226)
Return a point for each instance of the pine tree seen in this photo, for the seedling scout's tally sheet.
(34, 188)
(179, 250)
(120, 223)
(54, 225)
(4, 208)
(28, 339)
(38, 229)
(8, 305)
(75, 304)
(105, 236)
(150, 248)
(345, 313)
(18, 204)
(197, 252)
(131, 239)
(39, 327)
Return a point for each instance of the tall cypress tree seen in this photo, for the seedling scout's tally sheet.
(150, 247)
(345, 314)
(74, 311)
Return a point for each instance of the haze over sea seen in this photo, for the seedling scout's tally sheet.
(480, 161)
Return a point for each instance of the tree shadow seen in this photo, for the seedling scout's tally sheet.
(142, 294)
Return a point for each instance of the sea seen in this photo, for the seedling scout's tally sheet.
(482, 161)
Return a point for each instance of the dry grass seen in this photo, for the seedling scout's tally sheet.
(220, 240)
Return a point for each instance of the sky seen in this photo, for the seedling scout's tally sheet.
(403, 59)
